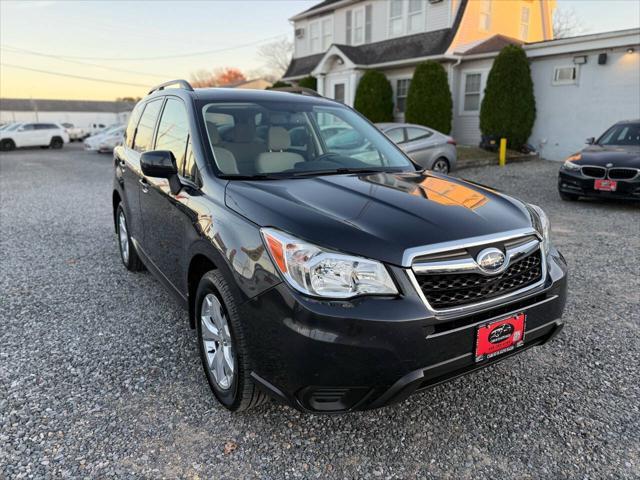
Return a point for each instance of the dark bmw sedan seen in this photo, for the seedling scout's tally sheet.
(608, 168)
(332, 281)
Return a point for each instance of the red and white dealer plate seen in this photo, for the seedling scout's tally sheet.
(499, 337)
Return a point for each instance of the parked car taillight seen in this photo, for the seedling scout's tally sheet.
(451, 141)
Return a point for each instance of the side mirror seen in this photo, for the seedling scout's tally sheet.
(591, 140)
(158, 163)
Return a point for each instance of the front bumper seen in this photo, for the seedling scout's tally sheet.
(339, 356)
(575, 183)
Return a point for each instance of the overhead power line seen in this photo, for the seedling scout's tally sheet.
(80, 77)
(166, 57)
(78, 62)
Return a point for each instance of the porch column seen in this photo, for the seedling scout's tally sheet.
(320, 83)
(353, 84)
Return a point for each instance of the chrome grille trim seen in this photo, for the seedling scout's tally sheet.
(518, 251)
(594, 167)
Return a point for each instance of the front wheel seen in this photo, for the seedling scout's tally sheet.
(222, 345)
(128, 253)
(441, 165)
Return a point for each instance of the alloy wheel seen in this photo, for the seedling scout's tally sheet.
(123, 236)
(441, 166)
(216, 340)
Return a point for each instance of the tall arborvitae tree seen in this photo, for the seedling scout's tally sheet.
(429, 100)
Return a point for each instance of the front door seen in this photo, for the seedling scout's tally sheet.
(165, 215)
(338, 88)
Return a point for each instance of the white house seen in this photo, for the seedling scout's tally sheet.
(81, 113)
(336, 41)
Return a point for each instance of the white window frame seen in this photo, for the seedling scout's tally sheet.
(485, 16)
(396, 93)
(463, 93)
(524, 26)
(315, 23)
(421, 13)
(574, 81)
(353, 25)
(326, 32)
(403, 24)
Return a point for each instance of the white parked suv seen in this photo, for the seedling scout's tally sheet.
(43, 135)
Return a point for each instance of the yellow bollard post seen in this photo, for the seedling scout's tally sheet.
(503, 152)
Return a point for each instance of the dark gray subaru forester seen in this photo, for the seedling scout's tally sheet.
(332, 275)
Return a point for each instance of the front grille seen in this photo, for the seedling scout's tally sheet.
(622, 173)
(457, 289)
(594, 172)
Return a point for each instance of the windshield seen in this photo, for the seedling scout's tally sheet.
(11, 127)
(623, 134)
(296, 139)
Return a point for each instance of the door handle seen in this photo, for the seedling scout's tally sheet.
(145, 185)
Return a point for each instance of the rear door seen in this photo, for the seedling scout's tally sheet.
(166, 216)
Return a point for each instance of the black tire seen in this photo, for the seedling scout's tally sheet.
(56, 143)
(131, 260)
(568, 197)
(242, 394)
(7, 145)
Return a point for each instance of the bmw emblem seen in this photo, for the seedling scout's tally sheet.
(491, 260)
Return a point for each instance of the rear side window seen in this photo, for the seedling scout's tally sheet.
(173, 131)
(396, 135)
(131, 126)
(417, 133)
(144, 135)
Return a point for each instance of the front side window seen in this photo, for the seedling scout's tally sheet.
(297, 139)
(144, 134)
(402, 90)
(173, 131)
(472, 86)
(132, 125)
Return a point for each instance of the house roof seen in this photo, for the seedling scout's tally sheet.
(492, 44)
(45, 105)
(394, 49)
(319, 8)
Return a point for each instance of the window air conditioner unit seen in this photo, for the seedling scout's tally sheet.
(434, 1)
(299, 32)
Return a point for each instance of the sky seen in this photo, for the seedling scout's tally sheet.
(116, 41)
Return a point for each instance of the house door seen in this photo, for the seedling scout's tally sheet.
(339, 88)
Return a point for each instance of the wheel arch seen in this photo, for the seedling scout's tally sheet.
(116, 199)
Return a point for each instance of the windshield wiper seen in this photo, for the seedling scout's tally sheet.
(344, 170)
(257, 176)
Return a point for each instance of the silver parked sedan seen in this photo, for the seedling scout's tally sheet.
(425, 146)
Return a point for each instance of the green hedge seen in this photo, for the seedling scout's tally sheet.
(509, 106)
(374, 97)
(429, 100)
(309, 82)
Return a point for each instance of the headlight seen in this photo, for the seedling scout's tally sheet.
(319, 272)
(569, 165)
(541, 224)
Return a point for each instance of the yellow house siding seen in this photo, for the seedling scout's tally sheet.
(506, 18)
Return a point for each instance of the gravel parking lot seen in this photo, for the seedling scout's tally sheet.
(100, 377)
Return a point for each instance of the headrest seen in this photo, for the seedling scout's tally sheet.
(244, 132)
(214, 134)
(279, 138)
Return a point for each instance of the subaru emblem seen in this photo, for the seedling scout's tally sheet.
(491, 260)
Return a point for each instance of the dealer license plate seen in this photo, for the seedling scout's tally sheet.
(605, 185)
(499, 337)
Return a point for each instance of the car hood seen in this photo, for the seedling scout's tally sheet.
(377, 215)
(603, 155)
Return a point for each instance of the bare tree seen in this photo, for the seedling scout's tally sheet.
(202, 78)
(276, 56)
(566, 23)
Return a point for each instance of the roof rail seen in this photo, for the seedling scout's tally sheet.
(300, 90)
(183, 84)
